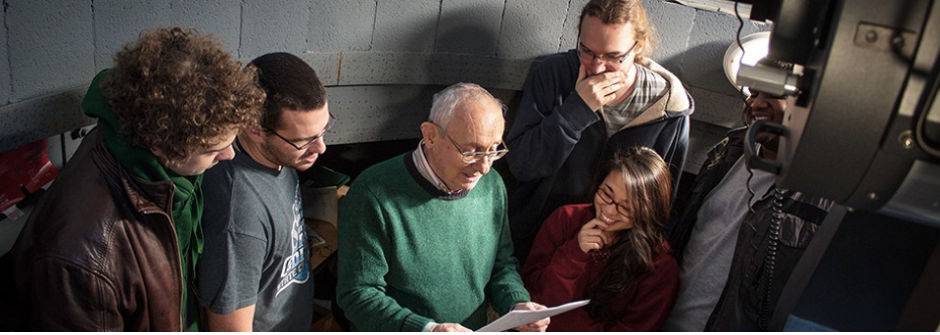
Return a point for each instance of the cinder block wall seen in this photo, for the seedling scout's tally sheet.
(382, 59)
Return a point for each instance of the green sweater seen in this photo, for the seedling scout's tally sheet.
(409, 254)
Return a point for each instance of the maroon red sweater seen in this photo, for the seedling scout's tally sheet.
(558, 272)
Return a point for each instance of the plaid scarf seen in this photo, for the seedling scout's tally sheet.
(650, 86)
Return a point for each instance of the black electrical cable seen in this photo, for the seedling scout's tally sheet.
(770, 260)
(65, 157)
(750, 192)
(737, 39)
(924, 102)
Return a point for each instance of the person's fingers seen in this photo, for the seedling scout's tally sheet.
(536, 326)
(611, 77)
(594, 235)
(611, 89)
(606, 99)
(593, 224)
(450, 327)
(593, 246)
(593, 239)
(543, 323)
(528, 305)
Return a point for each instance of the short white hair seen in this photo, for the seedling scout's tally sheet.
(445, 102)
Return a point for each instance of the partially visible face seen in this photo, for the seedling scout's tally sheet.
(476, 126)
(610, 203)
(199, 162)
(762, 107)
(299, 128)
(609, 40)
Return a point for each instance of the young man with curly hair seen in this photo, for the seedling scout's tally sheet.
(255, 273)
(113, 244)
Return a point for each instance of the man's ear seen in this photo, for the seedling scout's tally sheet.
(255, 133)
(161, 156)
(428, 133)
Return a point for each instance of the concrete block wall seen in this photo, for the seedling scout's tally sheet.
(273, 25)
(345, 25)
(5, 89)
(531, 28)
(52, 48)
(117, 22)
(404, 25)
(700, 63)
(673, 26)
(469, 27)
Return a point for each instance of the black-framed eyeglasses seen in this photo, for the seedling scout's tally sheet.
(470, 157)
(606, 199)
(329, 124)
(587, 55)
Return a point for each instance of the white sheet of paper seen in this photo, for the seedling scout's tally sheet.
(517, 318)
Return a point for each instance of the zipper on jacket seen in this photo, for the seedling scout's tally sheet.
(179, 263)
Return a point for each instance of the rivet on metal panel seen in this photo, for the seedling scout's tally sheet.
(871, 36)
(898, 42)
(906, 140)
(889, 39)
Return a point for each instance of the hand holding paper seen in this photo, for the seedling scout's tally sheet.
(516, 318)
(536, 326)
(450, 327)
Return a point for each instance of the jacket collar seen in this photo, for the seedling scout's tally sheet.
(143, 196)
(676, 102)
(678, 98)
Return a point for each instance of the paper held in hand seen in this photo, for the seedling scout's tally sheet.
(518, 318)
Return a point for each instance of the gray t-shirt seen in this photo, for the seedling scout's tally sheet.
(707, 260)
(256, 245)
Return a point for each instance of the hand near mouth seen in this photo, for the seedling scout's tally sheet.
(592, 236)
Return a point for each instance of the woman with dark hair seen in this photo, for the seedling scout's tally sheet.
(612, 251)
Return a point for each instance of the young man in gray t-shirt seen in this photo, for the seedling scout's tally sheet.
(254, 274)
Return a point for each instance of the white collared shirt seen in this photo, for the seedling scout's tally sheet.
(424, 168)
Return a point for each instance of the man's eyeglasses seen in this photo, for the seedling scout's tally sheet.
(589, 56)
(471, 157)
(329, 124)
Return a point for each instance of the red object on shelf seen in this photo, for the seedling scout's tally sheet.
(26, 168)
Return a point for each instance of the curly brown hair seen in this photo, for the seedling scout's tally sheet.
(623, 11)
(177, 91)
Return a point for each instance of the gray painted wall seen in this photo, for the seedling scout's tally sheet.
(380, 58)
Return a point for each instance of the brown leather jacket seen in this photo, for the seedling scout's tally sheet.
(99, 252)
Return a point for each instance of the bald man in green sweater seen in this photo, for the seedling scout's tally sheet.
(424, 241)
